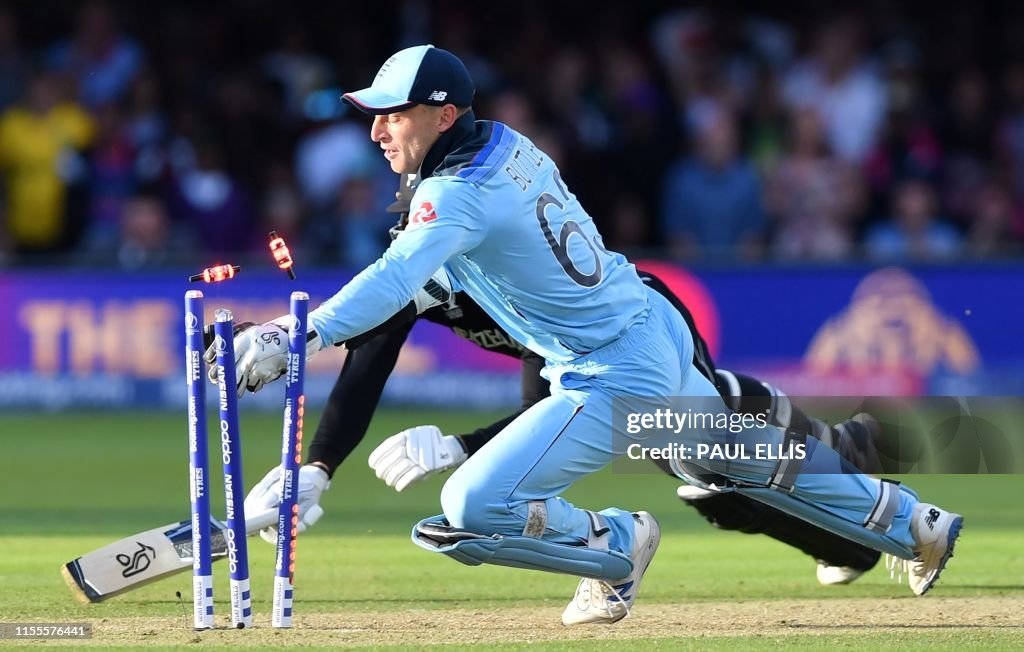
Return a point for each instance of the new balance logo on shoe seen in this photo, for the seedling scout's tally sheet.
(437, 96)
(933, 515)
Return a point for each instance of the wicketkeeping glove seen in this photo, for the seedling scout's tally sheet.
(415, 454)
(261, 353)
(262, 503)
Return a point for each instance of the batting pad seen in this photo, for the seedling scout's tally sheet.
(435, 535)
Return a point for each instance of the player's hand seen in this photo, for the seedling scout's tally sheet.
(210, 355)
(209, 334)
(261, 353)
(262, 503)
(415, 454)
(437, 292)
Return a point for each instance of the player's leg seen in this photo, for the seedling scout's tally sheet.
(511, 487)
(567, 436)
(826, 490)
(854, 438)
(840, 561)
(491, 491)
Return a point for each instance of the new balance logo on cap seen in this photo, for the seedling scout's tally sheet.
(412, 76)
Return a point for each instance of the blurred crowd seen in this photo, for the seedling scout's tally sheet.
(182, 133)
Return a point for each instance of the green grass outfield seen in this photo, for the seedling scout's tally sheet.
(74, 482)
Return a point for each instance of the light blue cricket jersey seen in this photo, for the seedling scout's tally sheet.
(497, 216)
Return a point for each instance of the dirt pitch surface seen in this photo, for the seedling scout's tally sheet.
(502, 626)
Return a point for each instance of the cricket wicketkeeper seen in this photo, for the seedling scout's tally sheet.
(492, 217)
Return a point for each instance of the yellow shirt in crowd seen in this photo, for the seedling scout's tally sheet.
(31, 150)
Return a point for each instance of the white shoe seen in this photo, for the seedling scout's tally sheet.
(833, 575)
(935, 532)
(690, 493)
(598, 601)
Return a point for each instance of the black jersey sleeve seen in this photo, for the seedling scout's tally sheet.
(355, 395)
(534, 388)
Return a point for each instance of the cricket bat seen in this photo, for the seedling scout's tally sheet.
(138, 560)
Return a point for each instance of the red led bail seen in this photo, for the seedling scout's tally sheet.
(215, 274)
(281, 254)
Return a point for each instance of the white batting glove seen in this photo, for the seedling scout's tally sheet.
(261, 353)
(415, 454)
(263, 501)
(437, 292)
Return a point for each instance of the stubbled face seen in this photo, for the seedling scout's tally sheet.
(407, 136)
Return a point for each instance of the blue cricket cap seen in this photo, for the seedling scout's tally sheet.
(421, 74)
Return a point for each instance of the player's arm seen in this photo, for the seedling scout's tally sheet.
(269, 338)
(413, 260)
(343, 424)
(396, 322)
(349, 409)
(385, 287)
(354, 398)
(423, 451)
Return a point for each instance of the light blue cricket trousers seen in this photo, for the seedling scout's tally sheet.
(569, 435)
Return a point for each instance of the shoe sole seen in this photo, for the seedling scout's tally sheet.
(951, 539)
